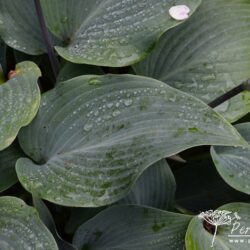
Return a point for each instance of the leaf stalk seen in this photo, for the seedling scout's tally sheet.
(231, 93)
(47, 39)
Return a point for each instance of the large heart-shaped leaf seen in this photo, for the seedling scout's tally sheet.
(233, 163)
(233, 236)
(21, 228)
(94, 135)
(154, 188)
(133, 227)
(208, 55)
(19, 101)
(110, 32)
(8, 158)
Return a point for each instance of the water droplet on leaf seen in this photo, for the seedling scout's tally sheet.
(116, 113)
(128, 102)
(88, 127)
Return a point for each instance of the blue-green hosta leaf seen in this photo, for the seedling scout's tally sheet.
(19, 26)
(100, 32)
(48, 220)
(19, 101)
(21, 228)
(155, 188)
(199, 238)
(208, 55)
(111, 32)
(8, 158)
(133, 227)
(94, 135)
(233, 164)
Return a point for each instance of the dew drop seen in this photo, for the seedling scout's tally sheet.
(128, 102)
(208, 66)
(94, 81)
(88, 127)
(110, 105)
(106, 117)
(116, 113)
(208, 77)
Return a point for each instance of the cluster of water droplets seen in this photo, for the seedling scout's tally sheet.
(106, 109)
(112, 33)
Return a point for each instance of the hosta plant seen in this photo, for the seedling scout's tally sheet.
(124, 124)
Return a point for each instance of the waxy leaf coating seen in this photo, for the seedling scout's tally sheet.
(233, 163)
(94, 135)
(207, 56)
(21, 228)
(100, 32)
(133, 227)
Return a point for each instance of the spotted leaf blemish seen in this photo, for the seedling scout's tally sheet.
(12, 74)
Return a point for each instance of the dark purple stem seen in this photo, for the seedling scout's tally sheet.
(47, 40)
(228, 95)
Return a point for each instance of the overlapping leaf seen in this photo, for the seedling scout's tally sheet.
(155, 188)
(208, 55)
(133, 227)
(48, 220)
(233, 163)
(94, 135)
(227, 237)
(110, 32)
(21, 228)
(19, 101)
(8, 158)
